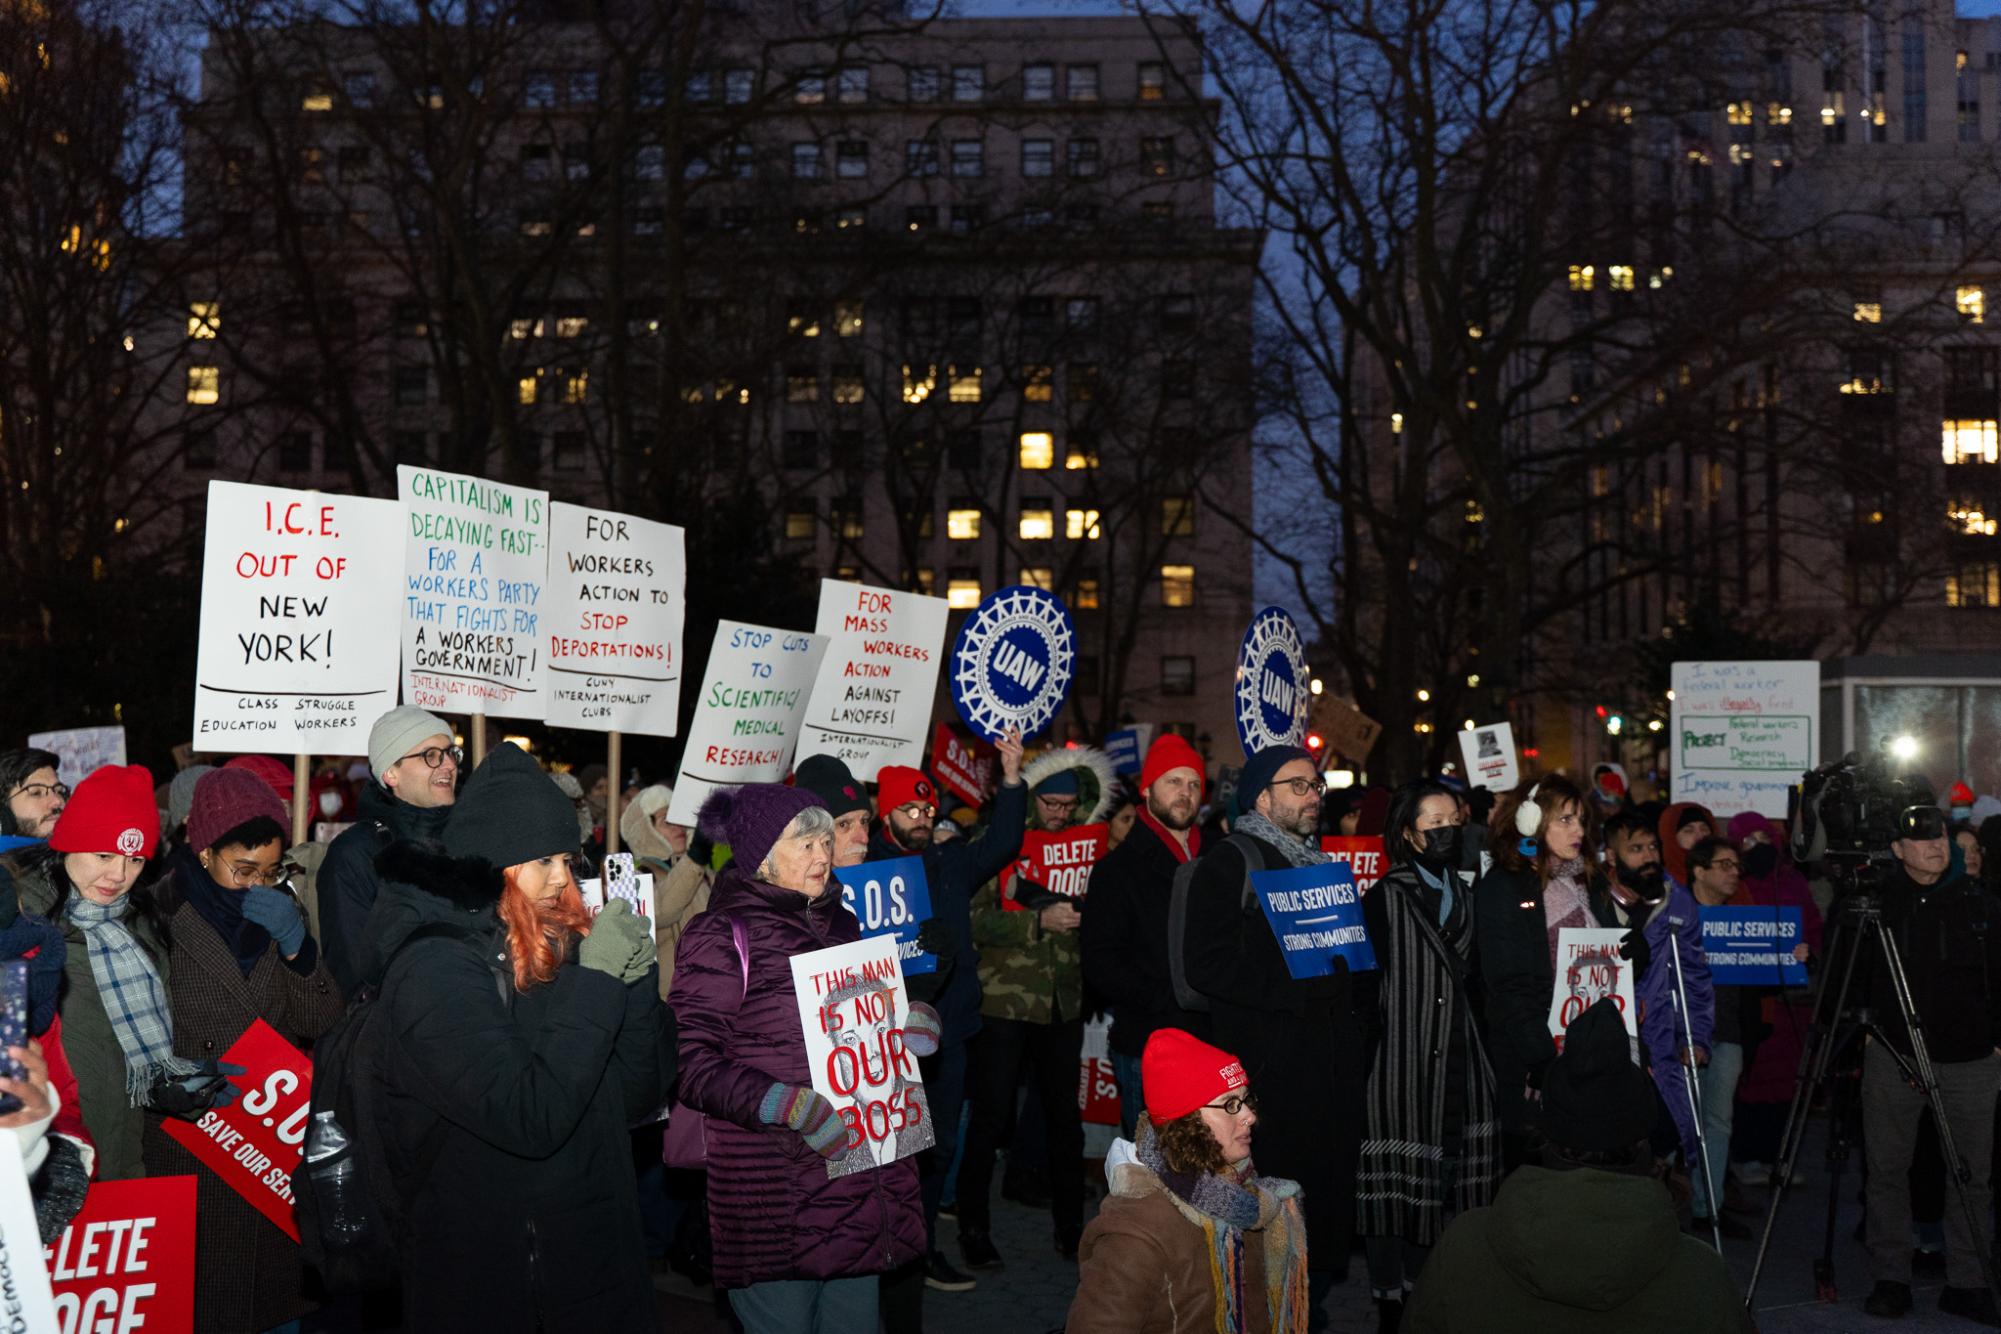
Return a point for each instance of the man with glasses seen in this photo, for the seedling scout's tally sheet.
(1297, 1037)
(34, 797)
(1714, 871)
(415, 764)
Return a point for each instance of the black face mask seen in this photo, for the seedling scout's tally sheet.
(1761, 859)
(1439, 848)
(1649, 881)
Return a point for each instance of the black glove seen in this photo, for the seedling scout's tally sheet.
(935, 936)
(1635, 947)
(188, 1096)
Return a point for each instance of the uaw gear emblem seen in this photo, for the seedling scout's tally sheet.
(1013, 662)
(1272, 683)
(130, 842)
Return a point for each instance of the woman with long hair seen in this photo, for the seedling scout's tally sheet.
(526, 1039)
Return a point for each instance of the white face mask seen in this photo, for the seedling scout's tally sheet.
(329, 804)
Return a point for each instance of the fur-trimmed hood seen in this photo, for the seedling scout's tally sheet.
(423, 886)
(1096, 780)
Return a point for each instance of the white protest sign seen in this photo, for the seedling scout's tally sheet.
(1490, 757)
(611, 621)
(24, 1273)
(297, 646)
(82, 750)
(871, 704)
(1588, 970)
(853, 1007)
(747, 716)
(475, 557)
(1743, 733)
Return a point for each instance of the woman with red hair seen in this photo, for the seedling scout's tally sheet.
(526, 1039)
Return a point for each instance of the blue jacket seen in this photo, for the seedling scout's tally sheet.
(1661, 1030)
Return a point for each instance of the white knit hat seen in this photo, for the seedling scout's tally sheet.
(398, 730)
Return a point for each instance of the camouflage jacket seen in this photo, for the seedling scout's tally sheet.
(1025, 972)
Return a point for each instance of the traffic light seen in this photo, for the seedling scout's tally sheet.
(1314, 742)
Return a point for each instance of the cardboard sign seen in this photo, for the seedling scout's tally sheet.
(747, 717)
(1347, 729)
(1272, 683)
(853, 1006)
(255, 1143)
(1742, 733)
(1588, 970)
(296, 649)
(1097, 1084)
(475, 558)
(1316, 913)
(127, 1260)
(82, 751)
(612, 626)
(871, 703)
(1752, 946)
(1060, 863)
(1126, 748)
(1013, 662)
(1490, 757)
(963, 768)
(1363, 854)
(891, 898)
(25, 1297)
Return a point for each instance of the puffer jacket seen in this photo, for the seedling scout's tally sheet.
(346, 885)
(774, 1213)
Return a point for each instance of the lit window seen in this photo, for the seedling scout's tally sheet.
(526, 388)
(1971, 302)
(1972, 522)
(204, 385)
(1038, 520)
(1868, 312)
(1971, 440)
(1977, 584)
(524, 328)
(577, 388)
(1037, 451)
(1152, 81)
(1619, 277)
(1080, 83)
(802, 323)
(798, 525)
(962, 594)
(846, 518)
(963, 384)
(1582, 277)
(571, 326)
(1039, 576)
(1177, 585)
(812, 89)
(848, 318)
(802, 386)
(1739, 113)
(1177, 516)
(1085, 596)
(918, 382)
(962, 524)
(1396, 423)
(317, 99)
(1081, 454)
(848, 385)
(1038, 384)
(204, 317)
(1081, 525)
(926, 581)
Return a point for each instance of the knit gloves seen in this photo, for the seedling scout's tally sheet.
(921, 1030)
(620, 943)
(801, 1109)
(274, 910)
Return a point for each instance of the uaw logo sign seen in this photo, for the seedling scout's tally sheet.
(1013, 662)
(1272, 695)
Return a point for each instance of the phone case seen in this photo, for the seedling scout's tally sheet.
(13, 1025)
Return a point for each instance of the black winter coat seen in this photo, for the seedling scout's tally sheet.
(1124, 939)
(527, 1218)
(1949, 936)
(347, 883)
(1298, 1040)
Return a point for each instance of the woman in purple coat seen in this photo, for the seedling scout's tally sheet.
(799, 1250)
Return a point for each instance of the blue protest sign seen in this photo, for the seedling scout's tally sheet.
(891, 898)
(1751, 946)
(1013, 661)
(1317, 916)
(1272, 680)
(1126, 749)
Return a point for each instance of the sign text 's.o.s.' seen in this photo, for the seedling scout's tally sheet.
(1272, 683)
(1013, 662)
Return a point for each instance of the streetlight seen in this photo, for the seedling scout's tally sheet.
(1904, 748)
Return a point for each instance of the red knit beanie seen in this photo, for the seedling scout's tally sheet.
(1169, 751)
(229, 797)
(110, 811)
(1180, 1073)
(899, 785)
(276, 774)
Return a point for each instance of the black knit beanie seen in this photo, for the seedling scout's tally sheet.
(1594, 1097)
(509, 812)
(829, 778)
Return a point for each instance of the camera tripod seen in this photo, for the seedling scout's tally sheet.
(1838, 1028)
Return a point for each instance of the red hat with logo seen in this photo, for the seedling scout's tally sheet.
(1181, 1073)
(900, 785)
(1168, 752)
(110, 811)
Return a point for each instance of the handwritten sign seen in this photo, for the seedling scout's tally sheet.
(255, 1143)
(1362, 853)
(1752, 946)
(747, 717)
(853, 1007)
(475, 558)
(1490, 757)
(81, 751)
(1013, 662)
(963, 768)
(871, 704)
(1588, 970)
(613, 621)
(891, 898)
(1348, 730)
(127, 1260)
(1272, 683)
(1060, 863)
(1743, 733)
(297, 645)
(1126, 748)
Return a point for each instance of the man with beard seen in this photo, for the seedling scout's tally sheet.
(1125, 934)
(33, 796)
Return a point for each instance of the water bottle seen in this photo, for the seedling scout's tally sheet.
(329, 1160)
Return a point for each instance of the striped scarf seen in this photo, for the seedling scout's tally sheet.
(134, 999)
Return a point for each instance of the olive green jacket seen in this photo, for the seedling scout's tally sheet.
(1025, 972)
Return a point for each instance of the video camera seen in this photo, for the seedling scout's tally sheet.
(1852, 809)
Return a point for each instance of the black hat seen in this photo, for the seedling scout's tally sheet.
(509, 812)
(830, 779)
(1260, 769)
(1594, 1097)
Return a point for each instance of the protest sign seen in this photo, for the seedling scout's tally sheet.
(1097, 1083)
(1364, 855)
(127, 1260)
(871, 703)
(853, 1007)
(963, 768)
(747, 717)
(891, 898)
(1126, 748)
(296, 650)
(1742, 733)
(475, 558)
(1490, 757)
(255, 1143)
(1752, 945)
(1348, 730)
(1272, 683)
(1588, 970)
(24, 1279)
(1013, 662)
(1316, 913)
(612, 621)
(81, 751)
(1060, 863)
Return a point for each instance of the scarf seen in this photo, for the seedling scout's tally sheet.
(1564, 901)
(1443, 884)
(1227, 1207)
(1294, 850)
(1166, 835)
(133, 996)
(222, 909)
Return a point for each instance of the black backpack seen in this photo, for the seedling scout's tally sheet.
(1186, 996)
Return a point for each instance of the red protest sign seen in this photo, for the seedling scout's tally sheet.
(1364, 856)
(1060, 863)
(1097, 1085)
(255, 1143)
(127, 1260)
(963, 768)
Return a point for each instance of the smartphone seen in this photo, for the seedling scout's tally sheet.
(13, 1025)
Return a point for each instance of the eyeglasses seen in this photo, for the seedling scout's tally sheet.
(433, 756)
(1067, 803)
(1236, 1102)
(1303, 787)
(916, 810)
(41, 791)
(1726, 866)
(244, 880)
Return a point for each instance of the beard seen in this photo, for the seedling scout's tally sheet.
(1648, 881)
(1177, 815)
(911, 836)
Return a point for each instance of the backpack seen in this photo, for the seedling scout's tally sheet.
(348, 1081)
(1186, 996)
